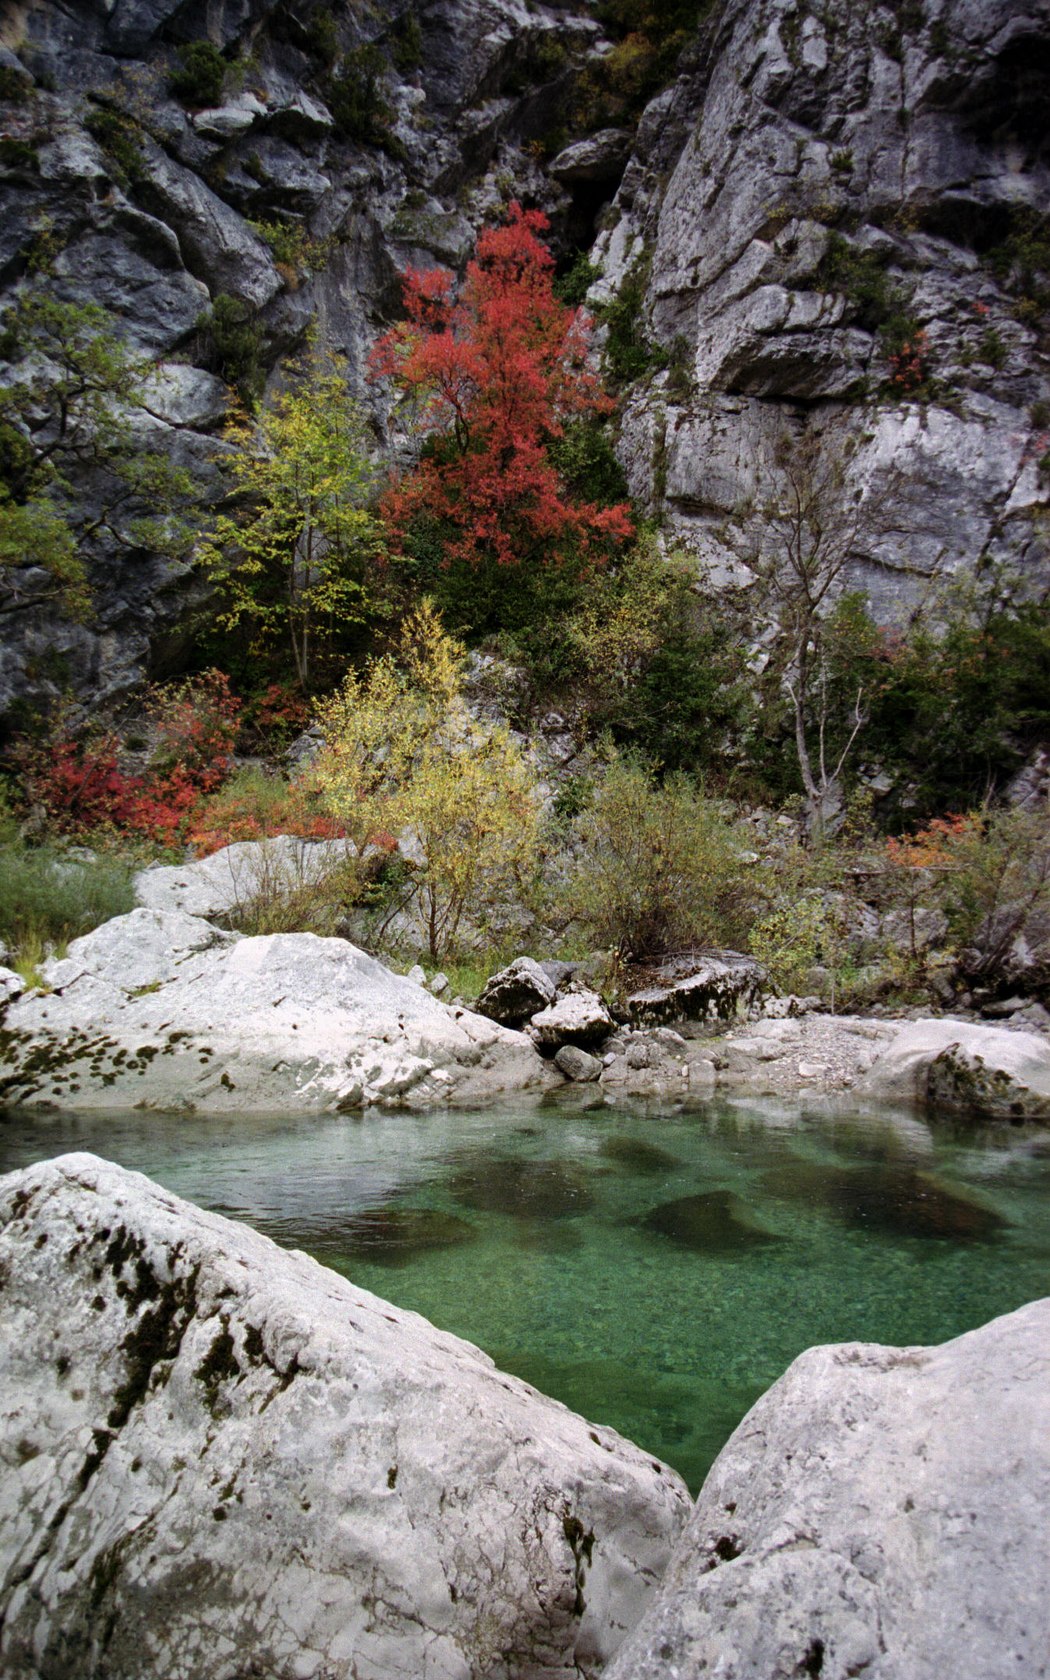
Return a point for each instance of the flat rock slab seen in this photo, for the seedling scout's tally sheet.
(880, 1512)
(159, 1009)
(222, 1459)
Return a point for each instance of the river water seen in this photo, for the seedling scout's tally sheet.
(654, 1270)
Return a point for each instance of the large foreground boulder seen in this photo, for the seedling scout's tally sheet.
(223, 1460)
(880, 1512)
(159, 1009)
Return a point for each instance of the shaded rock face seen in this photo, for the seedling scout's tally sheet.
(222, 1458)
(879, 1511)
(160, 1009)
(813, 175)
(516, 993)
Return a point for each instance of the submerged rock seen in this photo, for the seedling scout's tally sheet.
(158, 1009)
(222, 1458)
(894, 1199)
(638, 1156)
(530, 1189)
(714, 1222)
(391, 1236)
(880, 1511)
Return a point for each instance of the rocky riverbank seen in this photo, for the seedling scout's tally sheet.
(165, 1010)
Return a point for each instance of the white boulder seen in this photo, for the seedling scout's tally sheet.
(219, 884)
(578, 1017)
(159, 1009)
(880, 1512)
(221, 1459)
(992, 1071)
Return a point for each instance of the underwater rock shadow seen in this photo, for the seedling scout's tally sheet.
(391, 1236)
(635, 1155)
(711, 1222)
(525, 1189)
(889, 1199)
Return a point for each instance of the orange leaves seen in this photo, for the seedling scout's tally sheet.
(495, 374)
(931, 847)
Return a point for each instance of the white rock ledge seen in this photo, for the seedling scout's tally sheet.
(159, 1009)
(222, 1459)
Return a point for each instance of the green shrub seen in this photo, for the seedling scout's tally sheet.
(200, 76)
(572, 287)
(956, 710)
(355, 97)
(48, 896)
(586, 463)
(628, 353)
(861, 276)
(14, 86)
(18, 154)
(321, 37)
(658, 867)
(407, 44)
(120, 138)
(236, 342)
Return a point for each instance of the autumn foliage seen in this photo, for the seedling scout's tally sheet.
(493, 375)
(80, 784)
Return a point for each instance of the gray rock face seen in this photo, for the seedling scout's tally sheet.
(516, 993)
(714, 985)
(220, 1457)
(576, 1064)
(803, 159)
(881, 1511)
(159, 1009)
(156, 227)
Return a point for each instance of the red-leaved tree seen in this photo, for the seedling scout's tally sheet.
(495, 374)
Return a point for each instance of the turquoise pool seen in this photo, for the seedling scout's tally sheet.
(654, 1270)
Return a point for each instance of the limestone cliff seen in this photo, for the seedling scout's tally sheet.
(824, 185)
(816, 188)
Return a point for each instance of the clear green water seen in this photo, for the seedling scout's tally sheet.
(655, 1271)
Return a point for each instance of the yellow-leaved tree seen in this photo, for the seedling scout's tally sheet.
(293, 553)
(404, 756)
